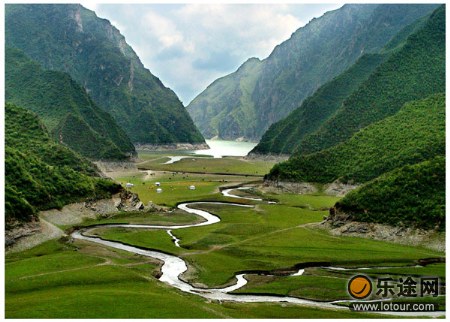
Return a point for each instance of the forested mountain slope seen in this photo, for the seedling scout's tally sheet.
(41, 174)
(413, 195)
(72, 39)
(415, 134)
(284, 136)
(412, 73)
(315, 54)
(65, 108)
(225, 109)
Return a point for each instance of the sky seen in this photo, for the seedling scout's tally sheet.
(188, 46)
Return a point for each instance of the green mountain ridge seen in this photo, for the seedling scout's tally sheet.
(314, 55)
(65, 108)
(412, 73)
(218, 116)
(413, 195)
(284, 136)
(42, 174)
(72, 39)
(415, 134)
(388, 133)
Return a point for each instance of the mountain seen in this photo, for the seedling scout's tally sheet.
(284, 136)
(413, 195)
(315, 54)
(415, 134)
(65, 108)
(42, 174)
(412, 73)
(72, 39)
(215, 110)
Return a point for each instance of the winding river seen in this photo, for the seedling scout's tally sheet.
(173, 267)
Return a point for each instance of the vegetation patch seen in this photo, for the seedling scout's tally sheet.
(41, 174)
(410, 196)
(228, 165)
(379, 148)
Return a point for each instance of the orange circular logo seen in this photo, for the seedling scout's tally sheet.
(360, 287)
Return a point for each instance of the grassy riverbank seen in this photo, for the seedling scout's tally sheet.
(226, 165)
(58, 280)
(64, 279)
(266, 237)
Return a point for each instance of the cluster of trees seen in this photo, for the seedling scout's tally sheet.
(388, 133)
(415, 134)
(42, 174)
(413, 195)
(65, 108)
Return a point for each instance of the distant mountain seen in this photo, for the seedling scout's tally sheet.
(65, 108)
(225, 109)
(72, 39)
(42, 174)
(415, 134)
(314, 55)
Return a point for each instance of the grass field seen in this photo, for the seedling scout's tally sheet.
(227, 165)
(57, 280)
(175, 186)
(326, 285)
(173, 217)
(62, 279)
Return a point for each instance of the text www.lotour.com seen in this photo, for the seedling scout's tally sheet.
(393, 307)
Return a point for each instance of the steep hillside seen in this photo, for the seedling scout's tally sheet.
(65, 108)
(413, 73)
(41, 174)
(415, 134)
(215, 111)
(284, 136)
(72, 39)
(313, 55)
(413, 195)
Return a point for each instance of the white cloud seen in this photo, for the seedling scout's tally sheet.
(189, 46)
(162, 29)
(90, 5)
(239, 29)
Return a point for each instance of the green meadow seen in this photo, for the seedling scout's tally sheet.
(175, 186)
(78, 279)
(58, 280)
(227, 165)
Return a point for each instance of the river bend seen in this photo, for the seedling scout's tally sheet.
(173, 267)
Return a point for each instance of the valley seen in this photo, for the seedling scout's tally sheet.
(269, 238)
(307, 184)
